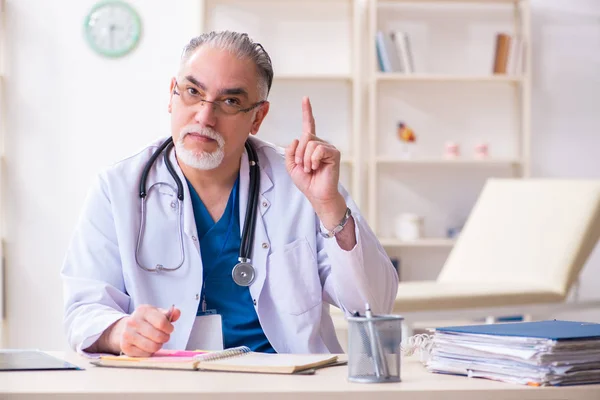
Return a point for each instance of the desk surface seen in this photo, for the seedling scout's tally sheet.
(330, 383)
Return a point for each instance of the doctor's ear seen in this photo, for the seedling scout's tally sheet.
(171, 89)
(259, 117)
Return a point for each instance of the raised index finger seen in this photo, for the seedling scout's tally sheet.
(308, 121)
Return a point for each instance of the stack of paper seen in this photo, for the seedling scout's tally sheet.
(532, 353)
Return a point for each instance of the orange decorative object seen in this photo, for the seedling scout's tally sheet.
(405, 133)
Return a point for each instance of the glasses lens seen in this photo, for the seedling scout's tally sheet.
(190, 96)
(228, 108)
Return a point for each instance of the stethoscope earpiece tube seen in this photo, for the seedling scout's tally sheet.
(247, 234)
(243, 272)
(173, 172)
(146, 170)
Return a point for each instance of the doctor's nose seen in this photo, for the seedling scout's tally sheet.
(206, 113)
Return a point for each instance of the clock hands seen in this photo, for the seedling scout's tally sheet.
(112, 35)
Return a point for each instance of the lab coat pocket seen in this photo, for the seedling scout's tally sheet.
(294, 278)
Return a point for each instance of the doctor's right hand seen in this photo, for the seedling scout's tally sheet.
(144, 332)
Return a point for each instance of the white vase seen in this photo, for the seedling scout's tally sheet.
(409, 227)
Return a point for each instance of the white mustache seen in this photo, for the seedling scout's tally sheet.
(204, 131)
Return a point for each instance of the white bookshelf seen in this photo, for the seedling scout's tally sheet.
(327, 70)
(433, 78)
(449, 162)
(428, 242)
(324, 49)
(449, 1)
(451, 96)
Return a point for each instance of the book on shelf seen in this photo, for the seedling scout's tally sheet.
(237, 359)
(516, 57)
(394, 52)
(542, 353)
(402, 44)
(386, 53)
(509, 54)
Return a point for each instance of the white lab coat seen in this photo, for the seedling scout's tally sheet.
(298, 272)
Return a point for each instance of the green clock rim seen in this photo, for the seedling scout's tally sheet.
(113, 53)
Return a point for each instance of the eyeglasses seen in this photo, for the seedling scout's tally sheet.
(229, 106)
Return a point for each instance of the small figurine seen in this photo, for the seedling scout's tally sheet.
(481, 151)
(405, 133)
(407, 137)
(452, 151)
(452, 233)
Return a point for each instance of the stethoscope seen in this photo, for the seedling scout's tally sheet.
(243, 272)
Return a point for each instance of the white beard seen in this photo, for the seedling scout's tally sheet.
(200, 159)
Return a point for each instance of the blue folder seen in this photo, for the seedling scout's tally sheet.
(554, 330)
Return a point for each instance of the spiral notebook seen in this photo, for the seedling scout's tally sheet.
(237, 359)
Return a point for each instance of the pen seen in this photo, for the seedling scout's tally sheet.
(376, 350)
(170, 312)
(367, 333)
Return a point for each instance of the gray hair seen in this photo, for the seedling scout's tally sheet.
(241, 46)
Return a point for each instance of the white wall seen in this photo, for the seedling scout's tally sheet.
(70, 113)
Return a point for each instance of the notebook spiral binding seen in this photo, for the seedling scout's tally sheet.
(220, 355)
(421, 342)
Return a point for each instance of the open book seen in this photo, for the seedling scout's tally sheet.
(237, 359)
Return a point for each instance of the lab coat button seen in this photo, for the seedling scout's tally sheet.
(264, 204)
(265, 245)
(254, 301)
(194, 238)
(197, 296)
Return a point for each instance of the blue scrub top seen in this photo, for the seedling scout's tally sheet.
(219, 248)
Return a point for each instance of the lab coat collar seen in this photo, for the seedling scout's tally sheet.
(189, 223)
(263, 202)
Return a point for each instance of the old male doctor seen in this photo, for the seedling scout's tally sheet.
(136, 281)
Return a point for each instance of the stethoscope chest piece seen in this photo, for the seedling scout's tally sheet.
(243, 273)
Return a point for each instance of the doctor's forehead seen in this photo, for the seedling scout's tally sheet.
(219, 69)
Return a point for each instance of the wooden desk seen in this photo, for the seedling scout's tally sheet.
(329, 383)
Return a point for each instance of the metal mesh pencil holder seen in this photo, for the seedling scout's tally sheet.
(374, 350)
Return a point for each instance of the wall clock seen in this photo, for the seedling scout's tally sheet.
(112, 28)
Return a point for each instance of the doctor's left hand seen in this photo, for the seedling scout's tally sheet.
(314, 164)
(144, 332)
